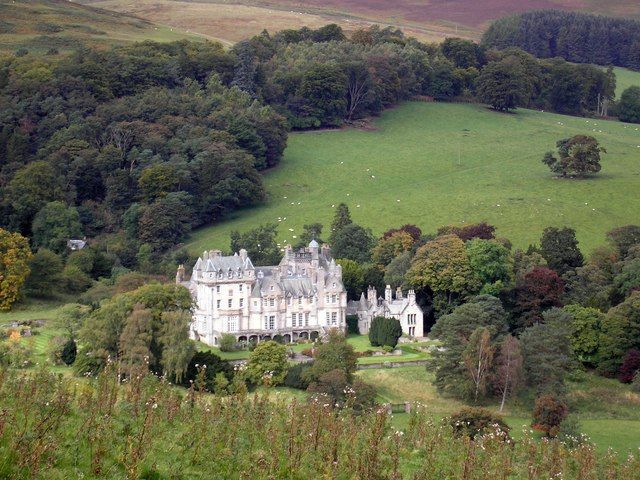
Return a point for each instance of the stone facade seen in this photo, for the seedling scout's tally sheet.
(302, 297)
(404, 309)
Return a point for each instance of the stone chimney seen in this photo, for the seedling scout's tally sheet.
(215, 254)
(372, 295)
(398, 293)
(180, 274)
(243, 254)
(412, 296)
(205, 255)
(326, 249)
(388, 293)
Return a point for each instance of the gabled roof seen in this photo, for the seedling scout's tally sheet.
(224, 264)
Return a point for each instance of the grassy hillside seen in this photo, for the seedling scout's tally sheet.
(232, 20)
(626, 78)
(436, 163)
(43, 24)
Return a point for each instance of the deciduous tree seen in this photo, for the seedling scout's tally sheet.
(478, 360)
(508, 372)
(578, 155)
(14, 266)
(443, 266)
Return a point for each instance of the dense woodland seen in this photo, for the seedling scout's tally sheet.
(135, 146)
(576, 37)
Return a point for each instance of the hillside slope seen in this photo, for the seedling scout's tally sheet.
(232, 20)
(435, 164)
(41, 25)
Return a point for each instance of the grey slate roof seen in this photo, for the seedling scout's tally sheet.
(224, 264)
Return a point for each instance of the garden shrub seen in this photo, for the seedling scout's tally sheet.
(384, 331)
(548, 414)
(214, 365)
(296, 377)
(474, 421)
(352, 325)
(228, 343)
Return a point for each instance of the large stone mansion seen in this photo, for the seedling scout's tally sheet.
(301, 298)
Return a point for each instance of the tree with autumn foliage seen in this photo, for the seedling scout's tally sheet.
(539, 290)
(442, 265)
(390, 247)
(630, 366)
(548, 414)
(14, 266)
(481, 230)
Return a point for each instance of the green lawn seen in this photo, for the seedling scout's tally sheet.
(34, 309)
(359, 342)
(624, 79)
(434, 164)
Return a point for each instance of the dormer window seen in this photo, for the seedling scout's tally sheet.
(333, 285)
(230, 274)
(271, 288)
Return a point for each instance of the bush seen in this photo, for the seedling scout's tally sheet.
(214, 365)
(268, 363)
(384, 331)
(548, 414)
(333, 387)
(473, 421)
(55, 347)
(569, 432)
(630, 366)
(387, 349)
(352, 325)
(228, 343)
(69, 351)
(308, 352)
(635, 385)
(296, 377)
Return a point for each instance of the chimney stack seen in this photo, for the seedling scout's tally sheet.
(398, 293)
(412, 296)
(388, 294)
(372, 295)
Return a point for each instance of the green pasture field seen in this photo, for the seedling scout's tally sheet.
(626, 78)
(435, 164)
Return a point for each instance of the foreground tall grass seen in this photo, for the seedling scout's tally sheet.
(53, 427)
